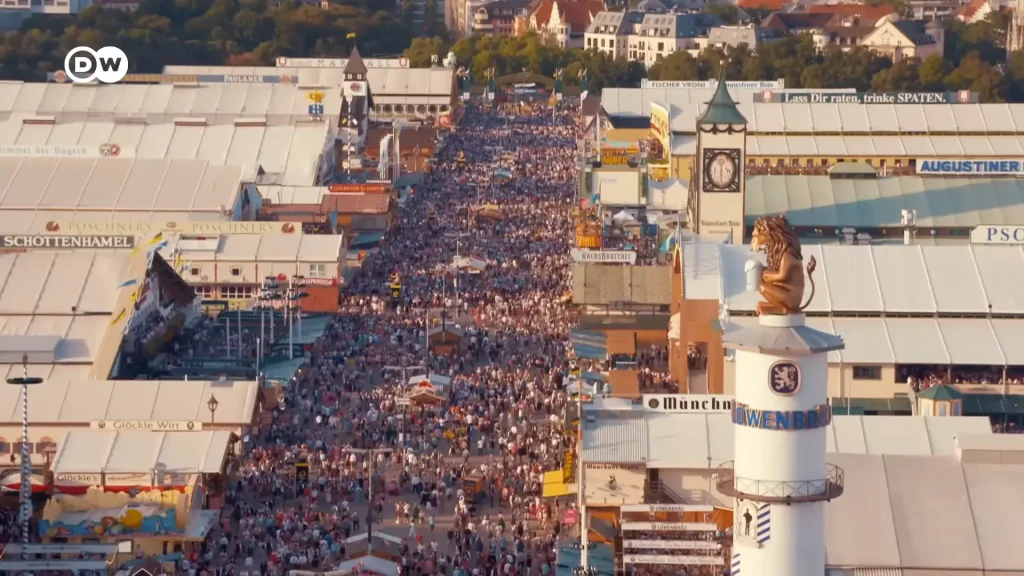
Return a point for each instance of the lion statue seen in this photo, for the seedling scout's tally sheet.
(782, 280)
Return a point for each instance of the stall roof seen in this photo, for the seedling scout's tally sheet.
(888, 498)
(710, 437)
(221, 103)
(829, 203)
(798, 118)
(603, 284)
(85, 401)
(616, 438)
(287, 153)
(108, 451)
(957, 341)
(391, 81)
(59, 187)
(874, 279)
(297, 247)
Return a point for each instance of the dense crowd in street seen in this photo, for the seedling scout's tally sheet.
(454, 486)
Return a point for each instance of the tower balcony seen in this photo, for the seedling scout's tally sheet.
(776, 492)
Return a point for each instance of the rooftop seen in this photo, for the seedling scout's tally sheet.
(826, 203)
(108, 451)
(324, 248)
(871, 280)
(795, 118)
(653, 438)
(277, 104)
(288, 153)
(384, 82)
(84, 401)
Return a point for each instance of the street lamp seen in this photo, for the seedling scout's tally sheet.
(26, 465)
(212, 405)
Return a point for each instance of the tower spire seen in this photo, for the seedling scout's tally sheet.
(722, 108)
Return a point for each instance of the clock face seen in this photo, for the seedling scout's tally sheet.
(721, 171)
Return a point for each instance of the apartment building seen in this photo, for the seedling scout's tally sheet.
(659, 35)
(609, 32)
(564, 22)
(13, 13)
(499, 17)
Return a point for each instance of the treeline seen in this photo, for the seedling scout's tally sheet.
(256, 32)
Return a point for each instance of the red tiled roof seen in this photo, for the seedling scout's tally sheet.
(967, 12)
(576, 13)
(355, 203)
(863, 10)
(761, 4)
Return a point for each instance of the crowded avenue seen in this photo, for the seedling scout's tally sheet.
(504, 404)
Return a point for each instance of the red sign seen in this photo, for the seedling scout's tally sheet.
(357, 188)
(570, 517)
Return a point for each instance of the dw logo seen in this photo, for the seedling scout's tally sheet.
(784, 378)
(83, 65)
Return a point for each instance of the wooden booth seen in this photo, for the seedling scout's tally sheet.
(445, 339)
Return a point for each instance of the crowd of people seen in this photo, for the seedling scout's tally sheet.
(453, 487)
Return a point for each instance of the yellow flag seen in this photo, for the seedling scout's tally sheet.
(351, 35)
(118, 317)
(178, 261)
(156, 239)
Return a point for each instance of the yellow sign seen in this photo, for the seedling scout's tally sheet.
(618, 156)
(569, 467)
(151, 228)
(315, 96)
(661, 126)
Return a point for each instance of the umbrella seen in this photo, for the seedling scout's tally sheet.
(12, 483)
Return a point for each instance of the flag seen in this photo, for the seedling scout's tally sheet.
(158, 238)
(135, 295)
(128, 282)
(178, 259)
(350, 35)
(119, 317)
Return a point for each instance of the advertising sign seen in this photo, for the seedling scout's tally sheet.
(339, 63)
(152, 228)
(357, 188)
(77, 480)
(661, 126)
(603, 256)
(652, 508)
(711, 84)
(688, 403)
(44, 242)
(959, 166)
(130, 479)
(107, 150)
(818, 417)
(618, 156)
(674, 560)
(671, 526)
(151, 425)
(961, 97)
(671, 545)
(192, 78)
(997, 235)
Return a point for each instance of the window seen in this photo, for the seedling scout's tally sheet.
(205, 290)
(318, 270)
(17, 447)
(236, 271)
(230, 292)
(196, 270)
(44, 443)
(867, 372)
(5, 446)
(661, 46)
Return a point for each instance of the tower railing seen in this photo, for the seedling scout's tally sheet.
(780, 492)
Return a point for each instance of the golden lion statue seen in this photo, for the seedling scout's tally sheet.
(782, 280)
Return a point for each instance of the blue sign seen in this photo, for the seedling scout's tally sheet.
(784, 378)
(316, 109)
(819, 417)
(958, 166)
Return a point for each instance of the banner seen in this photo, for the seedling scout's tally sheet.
(959, 166)
(339, 63)
(674, 560)
(652, 508)
(145, 228)
(671, 526)
(961, 97)
(688, 403)
(712, 84)
(997, 235)
(618, 156)
(358, 188)
(603, 256)
(43, 242)
(671, 545)
(150, 425)
(131, 479)
(661, 127)
(108, 150)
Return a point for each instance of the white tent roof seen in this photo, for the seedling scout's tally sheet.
(81, 402)
(107, 451)
(869, 280)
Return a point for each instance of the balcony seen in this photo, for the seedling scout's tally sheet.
(775, 492)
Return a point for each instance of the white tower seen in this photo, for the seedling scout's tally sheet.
(779, 479)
